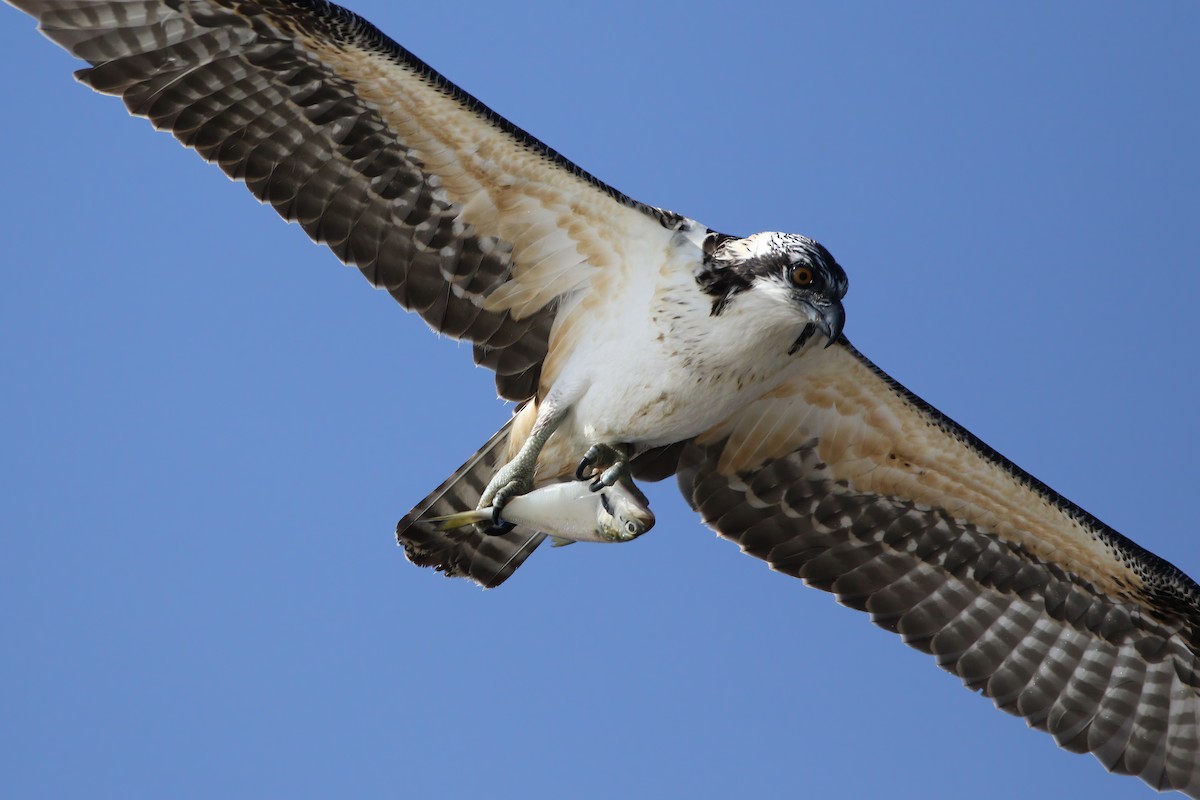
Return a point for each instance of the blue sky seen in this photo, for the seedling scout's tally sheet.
(209, 428)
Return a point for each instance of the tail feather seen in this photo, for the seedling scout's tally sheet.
(464, 552)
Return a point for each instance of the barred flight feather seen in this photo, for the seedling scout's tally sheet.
(1108, 665)
(837, 475)
(313, 109)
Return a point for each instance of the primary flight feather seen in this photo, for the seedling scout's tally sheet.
(734, 372)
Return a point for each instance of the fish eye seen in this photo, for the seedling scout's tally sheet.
(802, 275)
(631, 527)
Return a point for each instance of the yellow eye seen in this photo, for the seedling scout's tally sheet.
(802, 276)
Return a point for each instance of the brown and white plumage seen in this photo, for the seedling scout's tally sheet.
(835, 474)
(264, 91)
(849, 482)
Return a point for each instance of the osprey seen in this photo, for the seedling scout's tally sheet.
(734, 373)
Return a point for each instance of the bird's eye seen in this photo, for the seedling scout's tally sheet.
(802, 275)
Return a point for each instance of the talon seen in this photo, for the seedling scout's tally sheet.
(582, 470)
(499, 526)
(610, 476)
(497, 495)
(490, 529)
(591, 458)
(501, 529)
(615, 473)
(507, 492)
(507, 484)
(605, 463)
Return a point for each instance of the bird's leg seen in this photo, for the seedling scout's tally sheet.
(516, 477)
(607, 463)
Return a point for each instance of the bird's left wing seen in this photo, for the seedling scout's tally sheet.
(460, 215)
(845, 479)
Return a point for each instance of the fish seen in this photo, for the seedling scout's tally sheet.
(568, 512)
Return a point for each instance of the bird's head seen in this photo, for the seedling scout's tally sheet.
(783, 270)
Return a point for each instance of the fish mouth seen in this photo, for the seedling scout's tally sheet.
(638, 523)
(625, 517)
(627, 526)
(622, 533)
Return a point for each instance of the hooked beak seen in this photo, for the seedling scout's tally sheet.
(830, 319)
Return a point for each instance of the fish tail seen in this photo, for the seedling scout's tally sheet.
(451, 522)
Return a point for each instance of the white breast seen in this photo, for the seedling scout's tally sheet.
(658, 367)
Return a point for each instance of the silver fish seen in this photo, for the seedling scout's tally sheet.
(568, 512)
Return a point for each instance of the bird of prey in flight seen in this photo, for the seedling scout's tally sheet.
(641, 344)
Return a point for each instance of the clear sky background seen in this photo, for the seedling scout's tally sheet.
(208, 427)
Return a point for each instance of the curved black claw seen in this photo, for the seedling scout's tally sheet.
(604, 463)
(581, 472)
(597, 457)
(610, 476)
(499, 526)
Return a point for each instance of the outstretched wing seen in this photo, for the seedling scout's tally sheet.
(460, 215)
(845, 479)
